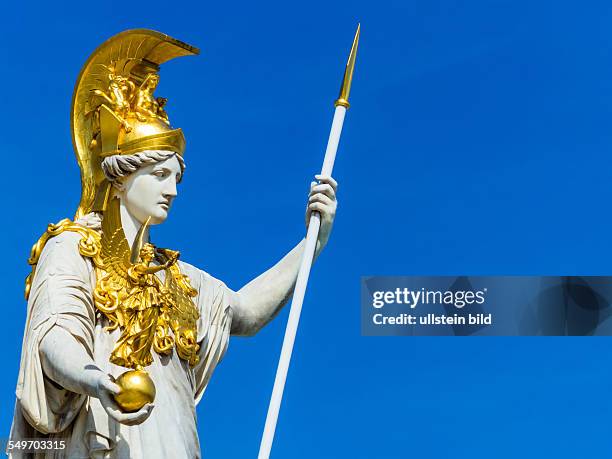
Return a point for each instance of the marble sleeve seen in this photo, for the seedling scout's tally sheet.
(214, 303)
(61, 296)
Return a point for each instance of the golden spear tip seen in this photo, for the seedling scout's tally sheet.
(345, 89)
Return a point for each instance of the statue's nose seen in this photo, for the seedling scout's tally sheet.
(170, 190)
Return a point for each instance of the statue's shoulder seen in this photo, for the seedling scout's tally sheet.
(84, 239)
(201, 279)
(195, 277)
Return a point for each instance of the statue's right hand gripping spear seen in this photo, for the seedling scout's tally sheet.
(342, 106)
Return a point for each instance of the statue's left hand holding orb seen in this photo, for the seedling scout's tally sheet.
(106, 389)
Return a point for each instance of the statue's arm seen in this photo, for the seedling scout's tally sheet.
(66, 362)
(258, 302)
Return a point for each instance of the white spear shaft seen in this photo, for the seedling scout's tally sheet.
(309, 249)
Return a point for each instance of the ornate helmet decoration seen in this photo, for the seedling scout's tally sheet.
(114, 110)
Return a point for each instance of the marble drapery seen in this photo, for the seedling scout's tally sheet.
(62, 296)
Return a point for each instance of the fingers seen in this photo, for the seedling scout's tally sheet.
(321, 203)
(110, 386)
(323, 188)
(109, 404)
(322, 198)
(106, 389)
(323, 192)
(323, 209)
(137, 417)
(328, 180)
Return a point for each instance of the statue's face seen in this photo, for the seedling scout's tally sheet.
(153, 81)
(151, 189)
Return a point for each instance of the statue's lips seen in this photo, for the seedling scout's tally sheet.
(164, 204)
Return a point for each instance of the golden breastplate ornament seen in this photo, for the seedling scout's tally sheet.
(151, 313)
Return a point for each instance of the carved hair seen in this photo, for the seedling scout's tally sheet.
(118, 166)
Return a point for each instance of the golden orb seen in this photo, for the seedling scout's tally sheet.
(137, 389)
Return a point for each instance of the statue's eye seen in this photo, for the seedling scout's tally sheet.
(161, 174)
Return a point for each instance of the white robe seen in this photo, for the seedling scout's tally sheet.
(62, 296)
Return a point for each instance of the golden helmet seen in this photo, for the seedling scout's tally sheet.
(114, 109)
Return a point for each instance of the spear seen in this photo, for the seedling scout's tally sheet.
(342, 106)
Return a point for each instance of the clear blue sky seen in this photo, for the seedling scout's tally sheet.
(479, 142)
